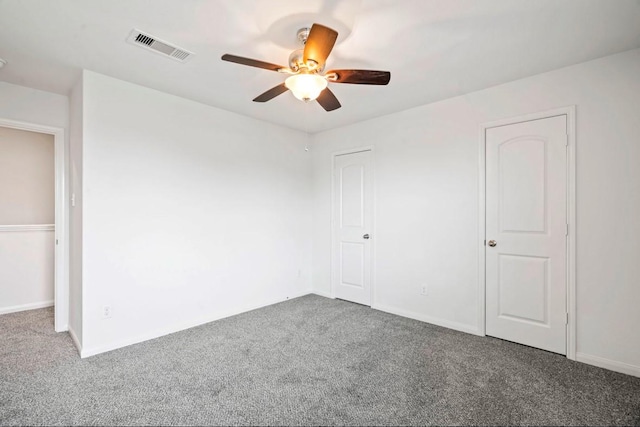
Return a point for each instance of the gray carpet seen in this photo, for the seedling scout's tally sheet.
(308, 361)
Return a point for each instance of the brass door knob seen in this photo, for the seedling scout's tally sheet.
(492, 243)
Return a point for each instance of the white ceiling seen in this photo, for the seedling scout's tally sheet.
(435, 49)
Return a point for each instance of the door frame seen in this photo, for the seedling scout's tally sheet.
(335, 154)
(570, 112)
(61, 249)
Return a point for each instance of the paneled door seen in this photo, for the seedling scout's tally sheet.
(526, 232)
(352, 221)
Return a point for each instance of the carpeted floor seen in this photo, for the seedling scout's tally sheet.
(308, 361)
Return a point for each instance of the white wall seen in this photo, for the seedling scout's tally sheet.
(75, 213)
(427, 202)
(33, 106)
(26, 269)
(190, 213)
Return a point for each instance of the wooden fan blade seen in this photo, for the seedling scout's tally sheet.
(319, 44)
(361, 77)
(271, 93)
(328, 100)
(252, 62)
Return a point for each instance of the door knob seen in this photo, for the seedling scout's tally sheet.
(492, 243)
(366, 236)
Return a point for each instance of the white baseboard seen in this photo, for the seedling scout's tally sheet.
(609, 364)
(24, 307)
(322, 294)
(433, 320)
(87, 352)
(75, 339)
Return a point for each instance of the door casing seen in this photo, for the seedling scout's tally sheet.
(373, 222)
(570, 112)
(61, 278)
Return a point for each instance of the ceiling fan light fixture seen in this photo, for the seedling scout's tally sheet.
(306, 87)
(306, 67)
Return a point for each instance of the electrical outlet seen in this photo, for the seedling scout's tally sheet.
(107, 312)
(424, 290)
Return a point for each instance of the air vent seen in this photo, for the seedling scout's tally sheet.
(154, 44)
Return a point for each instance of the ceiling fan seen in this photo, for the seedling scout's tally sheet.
(306, 79)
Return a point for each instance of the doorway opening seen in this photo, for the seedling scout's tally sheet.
(57, 229)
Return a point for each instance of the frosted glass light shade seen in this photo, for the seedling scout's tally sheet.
(306, 87)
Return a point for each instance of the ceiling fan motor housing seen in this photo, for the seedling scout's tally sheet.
(302, 35)
(296, 63)
(296, 59)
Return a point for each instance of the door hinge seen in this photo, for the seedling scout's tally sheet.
(485, 243)
(566, 141)
(567, 230)
(566, 319)
(56, 241)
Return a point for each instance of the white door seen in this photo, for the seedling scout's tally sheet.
(526, 228)
(352, 219)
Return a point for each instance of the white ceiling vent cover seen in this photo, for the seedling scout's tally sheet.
(154, 44)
